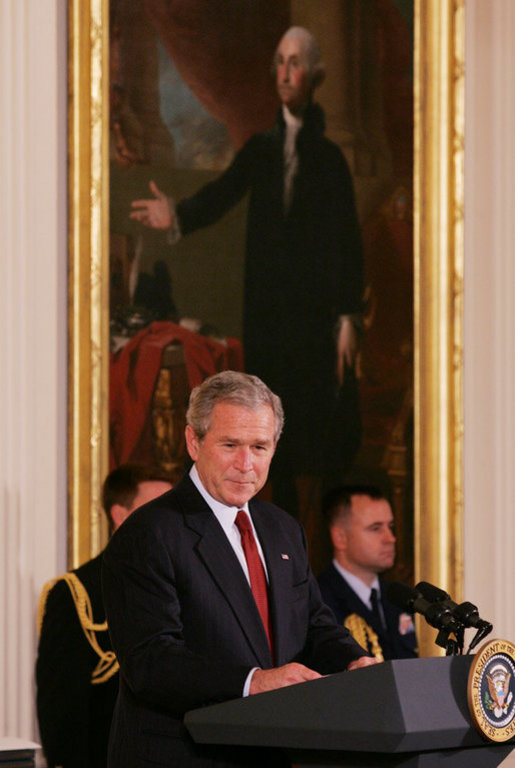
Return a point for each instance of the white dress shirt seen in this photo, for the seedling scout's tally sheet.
(226, 516)
(362, 590)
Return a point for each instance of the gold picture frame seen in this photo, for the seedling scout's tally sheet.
(438, 269)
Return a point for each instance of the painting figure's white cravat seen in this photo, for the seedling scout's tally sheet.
(291, 160)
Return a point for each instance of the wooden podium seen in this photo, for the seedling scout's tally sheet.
(410, 712)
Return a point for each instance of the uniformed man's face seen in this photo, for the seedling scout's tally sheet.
(367, 537)
(292, 77)
(234, 456)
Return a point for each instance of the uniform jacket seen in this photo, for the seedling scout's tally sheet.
(397, 641)
(74, 714)
(186, 629)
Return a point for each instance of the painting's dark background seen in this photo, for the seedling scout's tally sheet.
(190, 81)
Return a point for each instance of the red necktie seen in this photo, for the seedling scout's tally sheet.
(256, 571)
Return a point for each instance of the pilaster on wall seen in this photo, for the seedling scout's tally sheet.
(32, 336)
(489, 450)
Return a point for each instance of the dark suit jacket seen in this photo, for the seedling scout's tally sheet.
(186, 629)
(396, 643)
(74, 715)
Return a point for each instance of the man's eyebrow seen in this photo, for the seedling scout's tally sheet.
(264, 441)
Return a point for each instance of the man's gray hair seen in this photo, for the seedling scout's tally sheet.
(310, 48)
(231, 387)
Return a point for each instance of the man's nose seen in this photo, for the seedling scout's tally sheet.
(243, 460)
(390, 536)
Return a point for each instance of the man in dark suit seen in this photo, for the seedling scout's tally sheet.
(200, 608)
(76, 669)
(361, 526)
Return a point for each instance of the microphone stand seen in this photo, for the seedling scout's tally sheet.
(480, 634)
(453, 645)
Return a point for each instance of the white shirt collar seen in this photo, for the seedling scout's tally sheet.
(219, 509)
(226, 517)
(360, 588)
(292, 121)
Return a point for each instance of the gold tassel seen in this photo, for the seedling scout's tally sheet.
(107, 665)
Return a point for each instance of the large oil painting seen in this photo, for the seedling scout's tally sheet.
(188, 89)
(187, 85)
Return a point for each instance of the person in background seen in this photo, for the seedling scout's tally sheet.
(208, 590)
(303, 285)
(361, 527)
(76, 669)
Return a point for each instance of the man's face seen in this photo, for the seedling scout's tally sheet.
(234, 456)
(368, 540)
(292, 76)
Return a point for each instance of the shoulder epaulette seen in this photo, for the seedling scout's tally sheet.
(107, 664)
(364, 634)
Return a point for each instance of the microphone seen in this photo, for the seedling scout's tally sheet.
(466, 613)
(436, 613)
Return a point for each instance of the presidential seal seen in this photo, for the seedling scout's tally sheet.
(490, 690)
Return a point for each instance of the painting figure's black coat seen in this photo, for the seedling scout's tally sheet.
(303, 269)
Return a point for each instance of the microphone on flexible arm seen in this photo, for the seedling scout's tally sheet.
(437, 614)
(466, 612)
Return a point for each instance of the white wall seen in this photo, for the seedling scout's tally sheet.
(489, 376)
(32, 335)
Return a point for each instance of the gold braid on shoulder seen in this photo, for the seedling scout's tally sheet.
(364, 634)
(107, 665)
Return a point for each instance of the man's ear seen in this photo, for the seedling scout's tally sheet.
(118, 513)
(192, 442)
(338, 537)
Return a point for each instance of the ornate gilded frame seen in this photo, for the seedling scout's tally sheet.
(88, 321)
(438, 196)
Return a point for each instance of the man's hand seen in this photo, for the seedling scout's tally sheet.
(363, 661)
(279, 677)
(346, 347)
(155, 213)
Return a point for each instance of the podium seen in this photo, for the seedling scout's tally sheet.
(410, 712)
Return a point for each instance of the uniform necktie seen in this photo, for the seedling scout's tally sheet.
(257, 576)
(376, 610)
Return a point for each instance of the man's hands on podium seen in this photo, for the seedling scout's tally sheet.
(279, 677)
(363, 661)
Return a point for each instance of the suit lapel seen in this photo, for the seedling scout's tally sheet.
(217, 555)
(353, 603)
